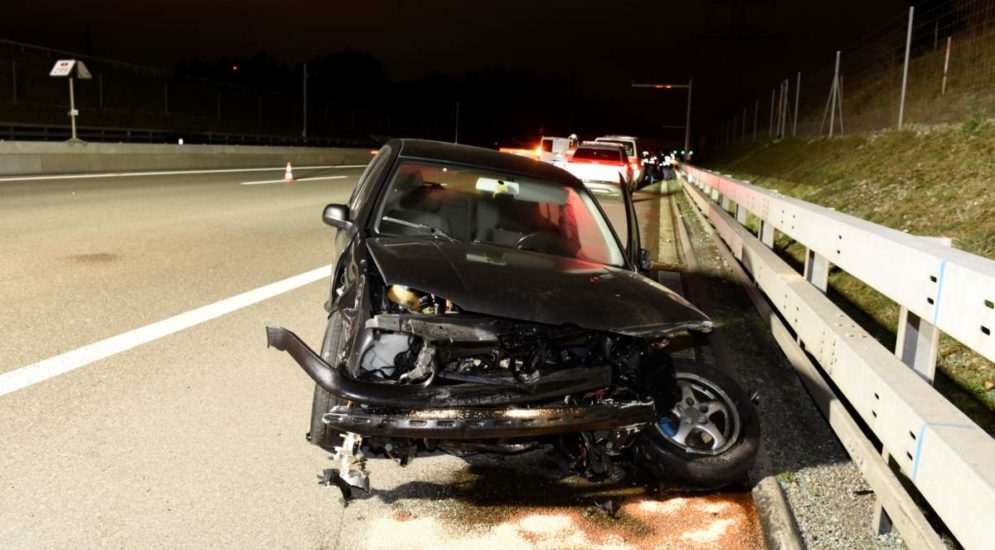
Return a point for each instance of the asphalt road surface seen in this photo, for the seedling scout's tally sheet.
(190, 433)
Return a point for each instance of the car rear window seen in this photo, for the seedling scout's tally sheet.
(629, 148)
(590, 153)
(547, 145)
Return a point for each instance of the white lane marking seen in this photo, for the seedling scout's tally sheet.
(60, 364)
(298, 179)
(172, 173)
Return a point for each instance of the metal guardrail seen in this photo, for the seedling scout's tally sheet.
(948, 458)
(56, 132)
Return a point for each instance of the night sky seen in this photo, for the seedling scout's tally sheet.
(735, 49)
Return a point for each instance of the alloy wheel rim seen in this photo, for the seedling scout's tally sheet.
(704, 420)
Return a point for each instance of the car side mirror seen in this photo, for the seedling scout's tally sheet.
(337, 216)
(645, 260)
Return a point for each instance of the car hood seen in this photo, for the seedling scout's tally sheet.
(537, 287)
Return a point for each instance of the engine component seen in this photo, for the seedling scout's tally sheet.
(497, 448)
(417, 302)
(382, 352)
(350, 474)
(404, 297)
(556, 384)
(424, 368)
(432, 329)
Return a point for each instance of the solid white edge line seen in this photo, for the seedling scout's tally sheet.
(295, 180)
(60, 364)
(172, 173)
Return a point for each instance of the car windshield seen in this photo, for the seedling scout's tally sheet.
(475, 205)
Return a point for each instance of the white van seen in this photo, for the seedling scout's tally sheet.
(556, 150)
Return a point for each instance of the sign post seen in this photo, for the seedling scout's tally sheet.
(71, 69)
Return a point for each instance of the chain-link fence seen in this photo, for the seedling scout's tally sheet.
(950, 46)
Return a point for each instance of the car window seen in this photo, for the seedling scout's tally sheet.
(592, 153)
(476, 205)
(629, 147)
(547, 145)
(371, 174)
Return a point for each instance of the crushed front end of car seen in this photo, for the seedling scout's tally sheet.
(424, 375)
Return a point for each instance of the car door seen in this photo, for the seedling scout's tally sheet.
(357, 203)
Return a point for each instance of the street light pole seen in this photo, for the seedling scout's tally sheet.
(304, 130)
(687, 122)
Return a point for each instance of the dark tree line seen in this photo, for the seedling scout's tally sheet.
(350, 95)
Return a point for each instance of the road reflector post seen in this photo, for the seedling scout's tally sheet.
(71, 69)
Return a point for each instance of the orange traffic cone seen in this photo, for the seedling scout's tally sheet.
(288, 176)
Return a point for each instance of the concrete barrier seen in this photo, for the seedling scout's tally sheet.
(31, 157)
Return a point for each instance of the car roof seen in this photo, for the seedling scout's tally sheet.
(600, 145)
(468, 155)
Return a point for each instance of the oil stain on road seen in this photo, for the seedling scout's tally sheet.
(529, 502)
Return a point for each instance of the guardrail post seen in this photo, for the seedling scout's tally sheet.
(916, 344)
(724, 201)
(767, 233)
(741, 214)
(13, 79)
(817, 270)
(881, 524)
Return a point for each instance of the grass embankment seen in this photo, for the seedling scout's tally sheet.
(934, 181)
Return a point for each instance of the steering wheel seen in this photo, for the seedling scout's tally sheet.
(542, 241)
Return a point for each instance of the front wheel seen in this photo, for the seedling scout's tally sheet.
(320, 434)
(709, 438)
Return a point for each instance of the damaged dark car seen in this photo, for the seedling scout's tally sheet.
(483, 302)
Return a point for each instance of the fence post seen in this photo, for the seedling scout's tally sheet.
(905, 69)
(13, 75)
(798, 94)
(778, 120)
(833, 94)
(946, 66)
(770, 129)
(756, 114)
(219, 105)
(743, 138)
(165, 97)
(100, 90)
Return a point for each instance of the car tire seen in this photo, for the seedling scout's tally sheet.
(321, 434)
(702, 469)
